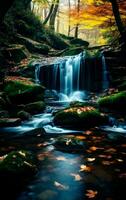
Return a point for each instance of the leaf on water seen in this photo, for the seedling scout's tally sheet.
(119, 160)
(61, 158)
(93, 148)
(88, 132)
(91, 159)
(111, 150)
(85, 168)
(106, 162)
(91, 194)
(68, 142)
(61, 186)
(76, 176)
(105, 156)
(81, 137)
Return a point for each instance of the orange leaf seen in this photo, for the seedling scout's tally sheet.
(91, 194)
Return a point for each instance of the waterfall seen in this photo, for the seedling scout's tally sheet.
(105, 81)
(73, 76)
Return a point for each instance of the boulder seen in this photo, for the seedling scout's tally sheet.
(33, 46)
(4, 114)
(18, 163)
(35, 108)
(22, 91)
(8, 122)
(15, 52)
(72, 51)
(80, 117)
(115, 102)
(71, 143)
(23, 115)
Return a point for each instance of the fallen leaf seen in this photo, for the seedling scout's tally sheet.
(76, 176)
(91, 194)
(61, 186)
(111, 150)
(91, 159)
(61, 158)
(68, 142)
(85, 168)
(106, 162)
(93, 148)
(88, 132)
(81, 137)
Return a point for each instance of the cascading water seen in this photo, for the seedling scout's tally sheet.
(73, 76)
(105, 83)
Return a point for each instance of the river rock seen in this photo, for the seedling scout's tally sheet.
(7, 122)
(71, 143)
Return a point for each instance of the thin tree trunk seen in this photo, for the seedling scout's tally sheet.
(69, 4)
(118, 20)
(77, 25)
(49, 14)
(53, 15)
(116, 13)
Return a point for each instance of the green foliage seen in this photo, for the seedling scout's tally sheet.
(115, 102)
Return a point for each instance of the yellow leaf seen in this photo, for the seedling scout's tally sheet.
(76, 176)
(61, 158)
(85, 168)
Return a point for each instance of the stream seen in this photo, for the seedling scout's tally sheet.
(97, 172)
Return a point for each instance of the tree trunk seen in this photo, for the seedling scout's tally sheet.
(53, 15)
(69, 4)
(77, 25)
(49, 14)
(4, 7)
(118, 20)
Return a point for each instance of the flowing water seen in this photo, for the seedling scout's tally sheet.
(63, 175)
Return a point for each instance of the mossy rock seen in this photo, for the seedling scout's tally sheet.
(23, 92)
(122, 86)
(80, 42)
(23, 115)
(54, 40)
(33, 46)
(80, 117)
(35, 108)
(18, 162)
(71, 143)
(9, 122)
(15, 52)
(115, 102)
(73, 51)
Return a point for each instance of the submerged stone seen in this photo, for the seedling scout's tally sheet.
(71, 143)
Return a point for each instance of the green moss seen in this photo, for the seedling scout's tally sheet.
(72, 51)
(36, 107)
(80, 117)
(21, 92)
(23, 115)
(114, 101)
(18, 162)
(79, 42)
